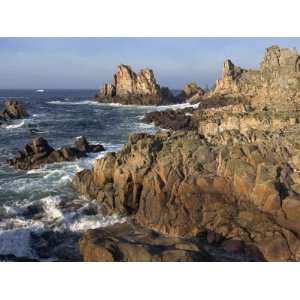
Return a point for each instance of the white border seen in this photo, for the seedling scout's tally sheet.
(160, 18)
(149, 18)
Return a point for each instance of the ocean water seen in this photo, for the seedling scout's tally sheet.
(40, 200)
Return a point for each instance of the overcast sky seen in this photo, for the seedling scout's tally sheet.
(89, 62)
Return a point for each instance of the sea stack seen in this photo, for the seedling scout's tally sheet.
(129, 87)
(12, 110)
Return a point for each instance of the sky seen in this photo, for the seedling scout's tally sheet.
(87, 63)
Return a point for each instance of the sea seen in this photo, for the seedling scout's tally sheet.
(42, 200)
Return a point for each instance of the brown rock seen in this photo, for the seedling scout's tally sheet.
(39, 153)
(131, 88)
(12, 110)
(125, 242)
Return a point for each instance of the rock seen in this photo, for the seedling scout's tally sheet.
(229, 171)
(39, 153)
(171, 119)
(180, 185)
(12, 110)
(191, 93)
(278, 78)
(131, 88)
(131, 243)
(233, 246)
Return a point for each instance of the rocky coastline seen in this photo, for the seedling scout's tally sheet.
(226, 174)
(219, 181)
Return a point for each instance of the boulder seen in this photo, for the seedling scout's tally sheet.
(39, 153)
(171, 119)
(132, 243)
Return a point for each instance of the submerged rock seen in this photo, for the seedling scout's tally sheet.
(131, 88)
(39, 152)
(12, 110)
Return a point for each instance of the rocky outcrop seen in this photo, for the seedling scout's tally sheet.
(181, 185)
(191, 93)
(12, 110)
(127, 242)
(278, 78)
(231, 176)
(131, 88)
(39, 152)
(171, 119)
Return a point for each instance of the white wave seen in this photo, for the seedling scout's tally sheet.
(73, 102)
(50, 206)
(84, 223)
(150, 107)
(177, 106)
(16, 125)
(145, 126)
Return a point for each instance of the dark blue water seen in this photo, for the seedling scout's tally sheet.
(59, 116)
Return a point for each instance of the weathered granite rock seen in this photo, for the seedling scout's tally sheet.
(12, 110)
(181, 186)
(191, 93)
(131, 88)
(278, 78)
(233, 173)
(127, 242)
(39, 153)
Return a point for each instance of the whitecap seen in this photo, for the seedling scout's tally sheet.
(72, 102)
(15, 125)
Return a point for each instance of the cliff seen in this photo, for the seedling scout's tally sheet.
(277, 78)
(129, 87)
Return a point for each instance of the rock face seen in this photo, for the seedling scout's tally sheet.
(131, 88)
(181, 186)
(278, 78)
(232, 176)
(126, 242)
(12, 110)
(191, 93)
(39, 153)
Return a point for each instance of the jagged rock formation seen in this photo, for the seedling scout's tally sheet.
(232, 176)
(39, 153)
(12, 110)
(131, 88)
(191, 93)
(278, 78)
(182, 185)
